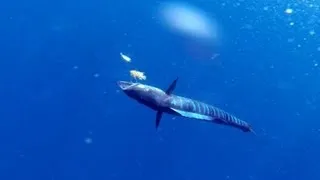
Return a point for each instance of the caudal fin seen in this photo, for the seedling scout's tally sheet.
(251, 130)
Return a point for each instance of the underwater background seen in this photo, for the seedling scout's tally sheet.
(63, 116)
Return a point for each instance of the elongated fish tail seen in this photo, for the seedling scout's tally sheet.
(251, 130)
(233, 121)
(247, 128)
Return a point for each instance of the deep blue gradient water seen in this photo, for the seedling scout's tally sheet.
(63, 116)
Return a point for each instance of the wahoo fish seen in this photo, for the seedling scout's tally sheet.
(166, 102)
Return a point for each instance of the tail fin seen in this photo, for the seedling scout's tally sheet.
(251, 130)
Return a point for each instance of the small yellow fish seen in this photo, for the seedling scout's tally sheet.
(125, 57)
(138, 75)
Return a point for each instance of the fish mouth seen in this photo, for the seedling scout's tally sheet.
(125, 85)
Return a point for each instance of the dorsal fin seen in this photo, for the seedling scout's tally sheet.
(172, 86)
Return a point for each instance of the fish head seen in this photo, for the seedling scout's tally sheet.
(126, 85)
(144, 94)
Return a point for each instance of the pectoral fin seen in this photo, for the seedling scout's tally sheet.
(192, 115)
(158, 118)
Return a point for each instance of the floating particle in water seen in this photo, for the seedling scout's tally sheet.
(291, 23)
(214, 56)
(247, 26)
(315, 63)
(312, 32)
(75, 67)
(88, 140)
(289, 11)
(290, 40)
(96, 75)
(318, 49)
(125, 57)
(266, 8)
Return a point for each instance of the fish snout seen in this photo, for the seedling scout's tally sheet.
(124, 85)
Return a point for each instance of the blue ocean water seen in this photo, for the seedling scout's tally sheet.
(63, 116)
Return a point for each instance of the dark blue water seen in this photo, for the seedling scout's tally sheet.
(63, 117)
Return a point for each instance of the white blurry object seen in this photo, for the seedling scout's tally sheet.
(188, 20)
(88, 140)
(289, 11)
(138, 75)
(125, 57)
